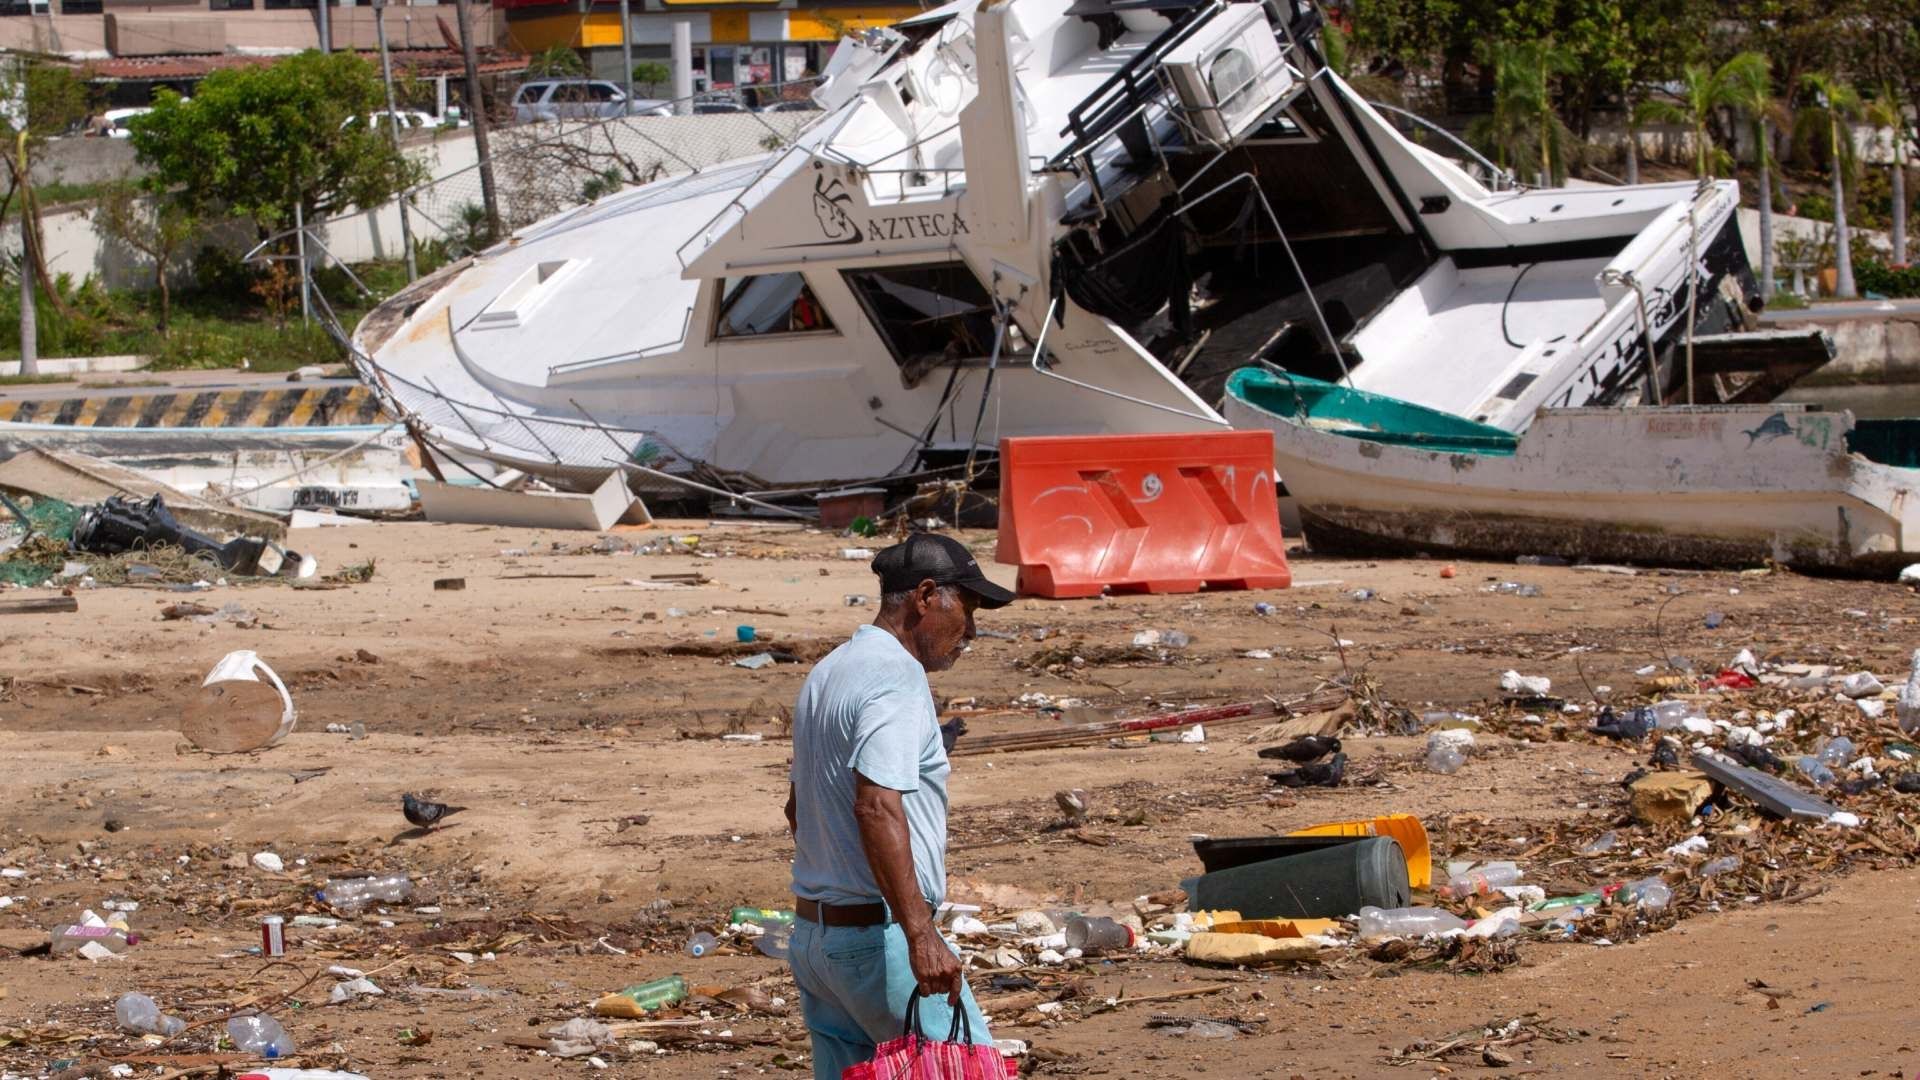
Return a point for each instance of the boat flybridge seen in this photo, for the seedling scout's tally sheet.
(1058, 217)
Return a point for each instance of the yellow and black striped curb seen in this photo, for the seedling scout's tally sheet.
(310, 406)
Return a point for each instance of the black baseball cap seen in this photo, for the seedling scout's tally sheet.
(940, 559)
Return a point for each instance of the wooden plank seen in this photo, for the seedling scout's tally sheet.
(39, 605)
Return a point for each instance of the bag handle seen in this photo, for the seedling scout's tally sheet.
(960, 1031)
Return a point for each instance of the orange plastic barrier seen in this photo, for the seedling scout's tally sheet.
(1141, 513)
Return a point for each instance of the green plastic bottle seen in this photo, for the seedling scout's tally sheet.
(753, 916)
(657, 994)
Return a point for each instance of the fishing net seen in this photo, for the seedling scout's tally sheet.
(43, 553)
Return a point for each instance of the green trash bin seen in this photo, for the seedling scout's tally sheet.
(1321, 881)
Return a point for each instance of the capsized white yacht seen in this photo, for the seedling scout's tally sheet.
(1057, 216)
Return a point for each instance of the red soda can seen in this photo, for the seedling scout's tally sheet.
(273, 936)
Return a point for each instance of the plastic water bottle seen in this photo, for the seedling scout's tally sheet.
(139, 1014)
(260, 1034)
(352, 894)
(1407, 922)
(1484, 879)
(72, 937)
(1444, 759)
(701, 944)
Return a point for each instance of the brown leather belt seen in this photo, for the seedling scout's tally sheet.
(841, 914)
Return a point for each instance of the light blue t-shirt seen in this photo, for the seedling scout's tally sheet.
(866, 707)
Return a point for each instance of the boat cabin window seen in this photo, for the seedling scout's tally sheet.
(769, 304)
(929, 315)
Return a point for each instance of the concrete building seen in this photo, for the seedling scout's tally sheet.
(109, 29)
(135, 46)
(736, 43)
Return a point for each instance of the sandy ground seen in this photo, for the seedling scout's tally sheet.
(579, 718)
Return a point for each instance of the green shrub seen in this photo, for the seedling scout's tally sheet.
(1874, 276)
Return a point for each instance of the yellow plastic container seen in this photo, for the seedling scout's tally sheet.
(1404, 828)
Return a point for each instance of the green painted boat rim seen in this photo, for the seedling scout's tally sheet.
(1358, 414)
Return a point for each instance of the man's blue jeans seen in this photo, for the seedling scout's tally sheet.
(854, 985)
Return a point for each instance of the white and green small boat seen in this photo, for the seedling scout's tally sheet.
(1719, 485)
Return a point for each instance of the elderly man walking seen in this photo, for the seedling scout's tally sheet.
(868, 810)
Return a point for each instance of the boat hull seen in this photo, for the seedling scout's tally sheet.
(1712, 486)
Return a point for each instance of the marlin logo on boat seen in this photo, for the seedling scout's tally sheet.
(1771, 428)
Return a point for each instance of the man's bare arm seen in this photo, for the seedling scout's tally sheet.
(793, 816)
(882, 819)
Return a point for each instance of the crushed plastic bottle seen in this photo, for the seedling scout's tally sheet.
(1601, 844)
(1723, 864)
(1407, 922)
(1672, 714)
(777, 942)
(1261, 607)
(701, 944)
(1515, 588)
(1814, 770)
(1444, 759)
(1650, 893)
(260, 1034)
(351, 894)
(1836, 751)
(141, 1015)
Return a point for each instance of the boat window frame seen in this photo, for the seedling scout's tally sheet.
(906, 365)
(717, 309)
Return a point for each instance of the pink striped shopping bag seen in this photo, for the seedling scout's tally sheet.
(913, 1056)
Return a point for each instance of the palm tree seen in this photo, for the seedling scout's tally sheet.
(1523, 121)
(1703, 92)
(1834, 105)
(1886, 111)
(1749, 84)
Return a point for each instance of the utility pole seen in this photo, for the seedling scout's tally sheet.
(326, 31)
(300, 253)
(626, 49)
(29, 319)
(393, 129)
(477, 109)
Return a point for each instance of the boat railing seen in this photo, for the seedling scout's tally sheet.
(1116, 101)
(1497, 178)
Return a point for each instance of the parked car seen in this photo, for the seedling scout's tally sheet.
(578, 99)
(719, 101)
(113, 122)
(410, 120)
(799, 105)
